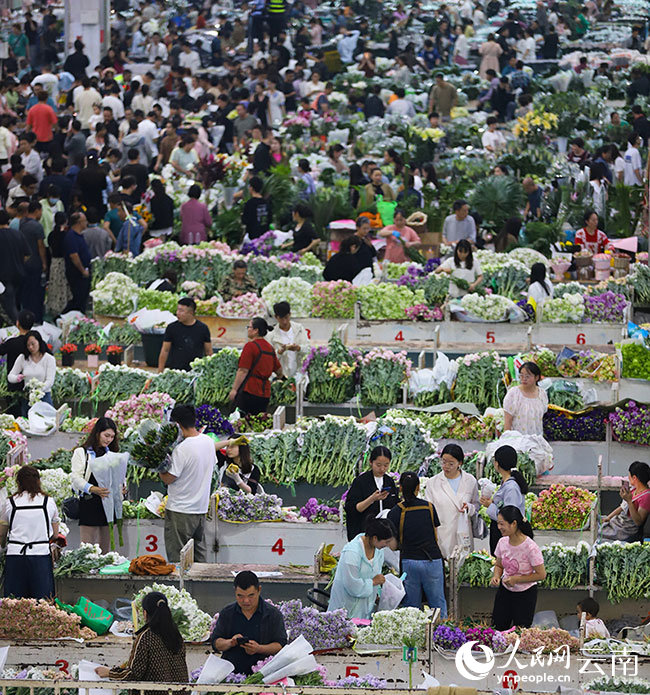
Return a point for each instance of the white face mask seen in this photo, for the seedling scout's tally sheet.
(53, 201)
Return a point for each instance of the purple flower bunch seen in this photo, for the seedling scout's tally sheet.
(290, 256)
(262, 246)
(241, 506)
(211, 418)
(368, 681)
(528, 308)
(447, 637)
(235, 678)
(328, 630)
(412, 276)
(482, 635)
(589, 427)
(631, 423)
(608, 307)
(318, 512)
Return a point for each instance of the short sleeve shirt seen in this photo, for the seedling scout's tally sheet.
(519, 559)
(187, 343)
(75, 243)
(257, 383)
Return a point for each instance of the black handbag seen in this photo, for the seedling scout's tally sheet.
(70, 508)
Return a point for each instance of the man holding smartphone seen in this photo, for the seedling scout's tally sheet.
(250, 629)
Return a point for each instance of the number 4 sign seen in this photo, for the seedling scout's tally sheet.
(278, 547)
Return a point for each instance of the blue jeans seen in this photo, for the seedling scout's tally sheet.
(426, 576)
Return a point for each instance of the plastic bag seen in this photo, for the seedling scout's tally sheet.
(487, 487)
(42, 418)
(428, 682)
(92, 615)
(464, 531)
(363, 278)
(445, 370)
(150, 320)
(214, 670)
(341, 135)
(386, 209)
(422, 380)
(299, 667)
(534, 445)
(153, 502)
(392, 593)
(545, 619)
(291, 652)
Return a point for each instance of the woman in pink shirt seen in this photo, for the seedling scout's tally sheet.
(396, 233)
(519, 566)
(195, 218)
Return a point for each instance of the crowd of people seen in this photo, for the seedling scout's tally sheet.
(82, 151)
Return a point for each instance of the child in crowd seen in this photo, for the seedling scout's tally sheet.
(594, 627)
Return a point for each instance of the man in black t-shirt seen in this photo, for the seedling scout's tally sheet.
(256, 215)
(185, 339)
(13, 347)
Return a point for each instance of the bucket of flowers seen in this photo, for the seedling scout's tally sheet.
(67, 351)
(114, 354)
(93, 351)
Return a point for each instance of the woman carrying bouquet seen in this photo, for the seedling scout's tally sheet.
(158, 652)
(397, 236)
(416, 521)
(453, 492)
(519, 566)
(36, 362)
(358, 573)
(371, 494)
(93, 525)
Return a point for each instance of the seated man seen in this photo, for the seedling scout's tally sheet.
(250, 629)
(237, 283)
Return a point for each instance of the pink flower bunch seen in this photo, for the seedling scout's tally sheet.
(533, 638)
(421, 312)
(333, 300)
(28, 618)
(302, 118)
(399, 358)
(472, 357)
(247, 306)
(562, 507)
(131, 412)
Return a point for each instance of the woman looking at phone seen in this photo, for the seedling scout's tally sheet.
(627, 520)
(371, 493)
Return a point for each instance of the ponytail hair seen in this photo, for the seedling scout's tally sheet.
(161, 622)
(512, 514)
(409, 482)
(506, 457)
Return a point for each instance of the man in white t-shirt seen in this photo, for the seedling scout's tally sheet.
(48, 81)
(189, 480)
(289, 339)
(632, 175)
(493, 139)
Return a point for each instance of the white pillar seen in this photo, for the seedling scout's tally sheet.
(88, 20)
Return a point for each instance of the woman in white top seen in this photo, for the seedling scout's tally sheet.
(93, 525)
(461, 47)
(452, 492)
(526, 404)
(540, 289)
(29, 521)
(37, 362)
(619, 164)
(462, 267)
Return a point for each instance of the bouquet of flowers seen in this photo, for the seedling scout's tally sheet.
(86, 559)
(631, 423)
(155, 445)
(85, 330)
(216, 375)
(68, 348)
(254, 423)
(177, 383)
(125, 335)
(480, 380)
(569, 308)
(544, 640)
(319, 513)
(331, 372)
(243, 507)
(562, 507)
(333, 300)
(36, 390)
(29, 619)
(93, 349)
(491, 307)
(323, 630)
(132, 411)
(193, 289)
(387, 301)
(246, 306)
(563, 427)
(382, 374)
(283, 392)
(395, 628)
(193, 623)
(605, 308)
(421, 312)
(293, 290)
(115, 295)
(118, 382)
(535, 127)
(154, 299)
(213, 421)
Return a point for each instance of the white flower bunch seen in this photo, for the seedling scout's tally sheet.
(193, 623)
(570, 308)
(395, 627)
(491, 307)
(115, 295)
(36, 390)
(293, 290)
(528, 256)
